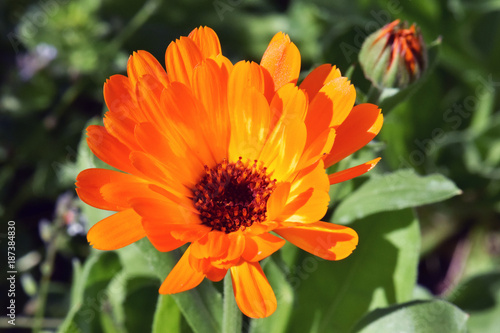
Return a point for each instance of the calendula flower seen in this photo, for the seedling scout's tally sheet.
(394, 56)
(219, 156)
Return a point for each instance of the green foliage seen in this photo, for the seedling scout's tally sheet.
(167, 316)
(74, 30)
(398, 190)
(480, 297)
(380, 272)
(417, 317)
(201, 306)
(90, 294)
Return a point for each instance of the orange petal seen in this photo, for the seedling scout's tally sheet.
(287, 137)
(244, 76)
(283, 149)
(252, 291)
(212, 245)
(236, 247)
(261, 246)
(120, 127)
(181, 118)
(168, 211)
(343, 96)
(155, 171)
(90, 181)
(261, 228)
(182, 277)
(210, 88)
(319, 115)
(182, 199)
(314, 176)
(181, 58)
(116, 231)
(325, 240)
(318, 148)
(168, 225)
(206, 266)
(226, 65)
(282, 60)
(309, 206)
(330, 107)
(233, 253)
(166, 237)
(350, 173)
(111, 190)
(249, 125)
(288, 104)
(215, 274)
(148, 92)
(207, 41)
(222, 250)
(143, 63)
(119, 94)
(158, 145)
(108, 149)
(121, 193)
(319, 77)
(277, 201)
(189, 124)
(360, 127)
(308, 199)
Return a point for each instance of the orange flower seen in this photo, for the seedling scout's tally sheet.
(219, 155)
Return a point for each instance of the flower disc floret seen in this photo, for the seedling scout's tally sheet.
(233, 196)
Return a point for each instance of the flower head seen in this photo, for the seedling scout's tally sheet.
(394, 56)
(219, 155)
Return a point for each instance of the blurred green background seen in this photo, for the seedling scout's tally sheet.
(56, 55)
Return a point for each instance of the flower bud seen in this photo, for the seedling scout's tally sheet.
(394, 56)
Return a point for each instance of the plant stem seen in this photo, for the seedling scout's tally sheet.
(231, 315)
(373, 95)
(148, 9)
(47, 269)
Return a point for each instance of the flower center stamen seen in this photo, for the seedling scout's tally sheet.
(233, 196)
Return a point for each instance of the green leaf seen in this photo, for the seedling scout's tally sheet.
(135, 269)
(109, 325)
(481, 117)
(415, 317)
(482, 149)
(139, 304)
(89, 294)
(117, 296)
(480, 297)
(381, 271)
(167, 316)
(422, 293)
(201, 306)
(232, 316)
(398, 190)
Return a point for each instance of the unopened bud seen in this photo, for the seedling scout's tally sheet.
(394, 56)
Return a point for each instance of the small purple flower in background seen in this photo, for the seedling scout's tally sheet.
(30, 63)
(68, 211)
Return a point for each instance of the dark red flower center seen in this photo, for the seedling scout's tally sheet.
(233, 196)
